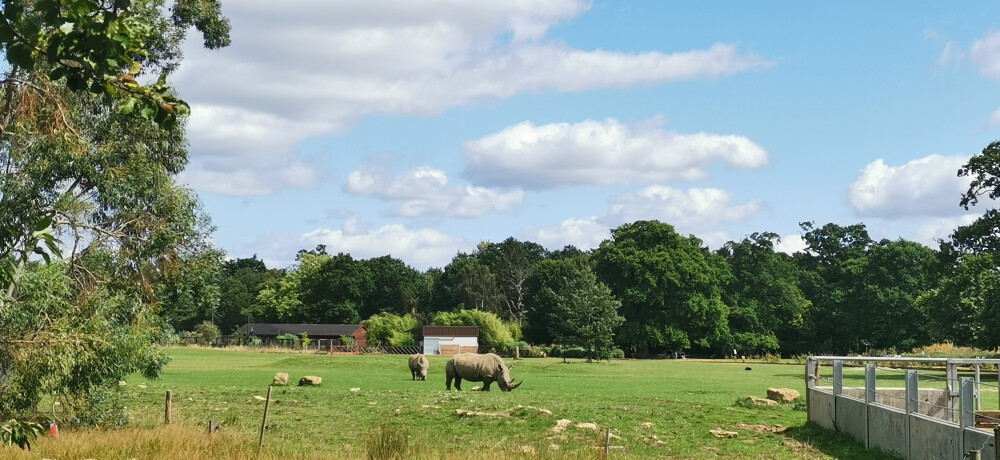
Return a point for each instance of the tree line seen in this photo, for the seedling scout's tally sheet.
(647, 290)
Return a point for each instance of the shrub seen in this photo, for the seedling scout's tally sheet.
(305, 340)
(19, 433)
(618, 353)
(347, 340)
(206, 333)
(772, 358)
(290, 340)
(402, 339)
(574, 352)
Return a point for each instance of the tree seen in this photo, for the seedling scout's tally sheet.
(764, 297)
(962, 308)
(393, 330)
(583, 311)
(397, 288)
(511, 262)
(670, 288)
(189, 293)
(466, 283)
(86, 157)
(242, 281)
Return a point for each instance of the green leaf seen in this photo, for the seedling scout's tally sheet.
(44, 223)
(128, 106)
(66, 28)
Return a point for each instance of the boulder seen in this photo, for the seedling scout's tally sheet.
(762, 401)
(782, 395)
(310, 380)
(280, 379)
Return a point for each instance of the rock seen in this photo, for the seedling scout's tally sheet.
(260, 398)
(310, 380)
(646, 426)
(280, 379)
(586, 426)
(472, 413)
(723, 433)
(782, 395)
(762, 401)
(561, 425)
(355, 390)
(544, 412)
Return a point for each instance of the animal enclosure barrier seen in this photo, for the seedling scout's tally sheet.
(917, 408)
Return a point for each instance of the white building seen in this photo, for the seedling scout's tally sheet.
(450, 340)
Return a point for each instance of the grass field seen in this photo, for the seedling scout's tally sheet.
(681, 400)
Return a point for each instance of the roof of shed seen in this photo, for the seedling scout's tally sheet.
(450, 331)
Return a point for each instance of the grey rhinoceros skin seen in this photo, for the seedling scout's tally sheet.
(418, 366)
(474, 367)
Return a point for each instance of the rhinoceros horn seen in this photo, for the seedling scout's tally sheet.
(515, 385)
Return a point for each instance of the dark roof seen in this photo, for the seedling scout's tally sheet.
(313, 330)
(450, 331)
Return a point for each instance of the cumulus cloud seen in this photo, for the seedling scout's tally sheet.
(419, 248)
(602, 152)
(695, 211)
(424, 191)
(926, 186)
(319, 66)
(941, 228)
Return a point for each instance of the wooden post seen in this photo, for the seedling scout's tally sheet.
(996, 435)
(166, 410)
(263, 423)
(607, 443)
(212, 427)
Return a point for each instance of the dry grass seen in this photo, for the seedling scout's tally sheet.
(167, 442)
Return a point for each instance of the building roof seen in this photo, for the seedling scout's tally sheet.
(313, 330)
(450, 331)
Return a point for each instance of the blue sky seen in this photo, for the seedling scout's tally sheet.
(418, 129)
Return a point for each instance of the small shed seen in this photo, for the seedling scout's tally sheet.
(268, 331)
(450, 340)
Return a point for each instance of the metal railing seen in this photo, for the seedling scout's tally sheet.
(915, 407)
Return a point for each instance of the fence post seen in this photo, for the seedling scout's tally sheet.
(838, 378)
(967, 416)
(978, 388)
(263, 423)
(953, 389)
(166, 409)
(869, 399)
(912, 405)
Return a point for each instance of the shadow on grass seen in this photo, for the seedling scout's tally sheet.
(829, 442)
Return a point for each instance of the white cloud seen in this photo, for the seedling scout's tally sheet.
(319, 66)
(424, 191)
(602, 152)
(933, 230)
(985, 53)
(926, 186)
(243, 153)
(696, 211)
(420, 248)
(790, 244)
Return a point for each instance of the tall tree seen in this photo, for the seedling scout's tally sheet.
(765, 301)
(575, 308)
(87, 155)
(512, 262)
(670, 288)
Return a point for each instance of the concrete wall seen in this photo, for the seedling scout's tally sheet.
(933, 402)
(887, 429)
(932, 439)
(852, 418)
(980, 440)
(821, 408)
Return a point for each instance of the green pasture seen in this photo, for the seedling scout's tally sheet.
(682, 400)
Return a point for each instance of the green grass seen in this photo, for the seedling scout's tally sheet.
(682, 399)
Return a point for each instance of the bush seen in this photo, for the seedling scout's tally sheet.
(290, 340)
(618, 353)
(206, 333)
(305, 340)
(402, 339)
(574, 352)
(772, 358)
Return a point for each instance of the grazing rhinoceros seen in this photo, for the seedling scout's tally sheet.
(418, 366)
(473, 367)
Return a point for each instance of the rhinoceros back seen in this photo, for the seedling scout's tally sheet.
(475, 367)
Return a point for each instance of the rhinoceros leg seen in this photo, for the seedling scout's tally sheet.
(486, 384)
(458, 383)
